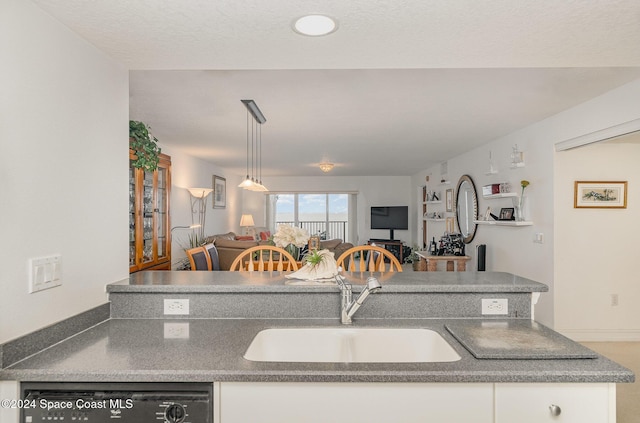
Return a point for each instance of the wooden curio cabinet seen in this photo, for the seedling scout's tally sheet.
(149, 230)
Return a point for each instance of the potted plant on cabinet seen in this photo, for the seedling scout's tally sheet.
(145, 148)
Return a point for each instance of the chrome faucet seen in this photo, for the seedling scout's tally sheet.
(349, 306)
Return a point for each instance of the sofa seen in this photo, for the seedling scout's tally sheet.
(230, 246)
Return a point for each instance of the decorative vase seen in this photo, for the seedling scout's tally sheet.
(521, 209)
(294, 251)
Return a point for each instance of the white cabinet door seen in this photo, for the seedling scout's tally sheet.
(355, 402)
(572, 403)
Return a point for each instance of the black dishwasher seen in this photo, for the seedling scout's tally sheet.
(66, 402)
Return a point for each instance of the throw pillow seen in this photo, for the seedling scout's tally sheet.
(265, 235)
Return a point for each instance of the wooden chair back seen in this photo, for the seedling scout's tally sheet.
(199, 258)
(264, 258)
(372, 259)
(212, 251)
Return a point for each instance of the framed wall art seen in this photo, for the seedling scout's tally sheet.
(600, 195)
(449, 200)
(219, 192)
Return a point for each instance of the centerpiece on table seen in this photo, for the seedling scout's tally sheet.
(319, 265)
(291, 238)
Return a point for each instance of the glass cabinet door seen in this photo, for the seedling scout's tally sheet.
(162, 215)
(147, 218)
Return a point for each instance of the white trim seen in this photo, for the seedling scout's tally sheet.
(601, 335)
(612, 403)
(307, 191)
(9, 390)
(600, 135)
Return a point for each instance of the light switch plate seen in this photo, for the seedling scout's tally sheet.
(45, 272)
(495, 306)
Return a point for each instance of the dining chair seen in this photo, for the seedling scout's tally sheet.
(199, 258)
(372, 259)
(264, 258)
(212, 251)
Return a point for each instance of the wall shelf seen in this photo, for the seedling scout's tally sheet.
(430, 219)
(503, 222)
(501, 195)
(433, 202)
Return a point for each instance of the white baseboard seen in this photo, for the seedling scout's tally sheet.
(601, 335)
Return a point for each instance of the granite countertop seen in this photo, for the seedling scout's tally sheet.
(158, 350)
(423, 282)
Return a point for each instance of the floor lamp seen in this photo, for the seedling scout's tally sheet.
(199, 210)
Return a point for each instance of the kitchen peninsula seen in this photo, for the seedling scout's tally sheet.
(220, 313)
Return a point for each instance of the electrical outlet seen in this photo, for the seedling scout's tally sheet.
(174, 306)
(176, 330)
(495, 306)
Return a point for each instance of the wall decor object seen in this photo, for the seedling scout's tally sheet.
(314, 243)
(506, 213)
(449, 199)
(219, 192)
(450, 222)
(600, 195)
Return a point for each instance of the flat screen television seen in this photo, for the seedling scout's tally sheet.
(390, 217)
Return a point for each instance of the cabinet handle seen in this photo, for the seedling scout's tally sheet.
(555, 410)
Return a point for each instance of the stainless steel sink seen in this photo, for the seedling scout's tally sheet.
(350, 345)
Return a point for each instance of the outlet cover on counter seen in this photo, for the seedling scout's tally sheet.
(176, 306)
(495, 306)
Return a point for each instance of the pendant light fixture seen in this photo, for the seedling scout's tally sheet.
(254, 182)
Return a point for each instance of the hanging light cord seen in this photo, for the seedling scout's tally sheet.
(247, 144)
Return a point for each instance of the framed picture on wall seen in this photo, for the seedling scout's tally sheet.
(600, 195)
(449, 199)
(219, 192)
(451, 226)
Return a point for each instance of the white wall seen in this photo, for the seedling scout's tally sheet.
(190, 172)
(599, 255)
(372, 191)
(63, 167)
(512, 249)
(509, 249)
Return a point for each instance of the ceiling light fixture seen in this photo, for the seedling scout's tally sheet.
(326, 167)
(315, 25)
(254, 183)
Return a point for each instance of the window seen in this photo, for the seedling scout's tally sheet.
(323, 214)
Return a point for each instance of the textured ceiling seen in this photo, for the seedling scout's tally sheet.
(400, 86)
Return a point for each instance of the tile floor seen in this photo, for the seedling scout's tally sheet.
(628, 394)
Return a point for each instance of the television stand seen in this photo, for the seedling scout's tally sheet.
(391, 245)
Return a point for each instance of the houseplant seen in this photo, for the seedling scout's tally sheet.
(145, 148)
(413, 258)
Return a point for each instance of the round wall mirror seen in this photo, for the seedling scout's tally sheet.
(466, 208)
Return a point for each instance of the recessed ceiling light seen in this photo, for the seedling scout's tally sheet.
(315, 25)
